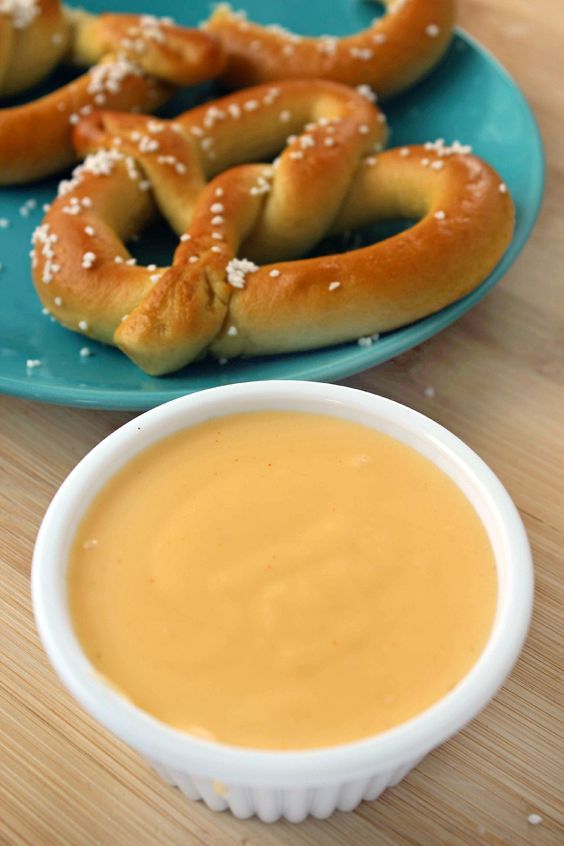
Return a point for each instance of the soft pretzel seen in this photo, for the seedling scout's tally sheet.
(396, 51)
(232, 288)
(136, 60)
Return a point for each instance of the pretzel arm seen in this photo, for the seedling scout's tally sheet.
(97, 216)
(36, 138)
(179, 55)
(396, 51)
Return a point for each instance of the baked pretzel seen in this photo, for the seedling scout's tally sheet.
(215, 298)
(396, 51)
(136, 60)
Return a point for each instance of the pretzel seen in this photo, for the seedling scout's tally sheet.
(136, 62)
(232, 288)
(396, 51)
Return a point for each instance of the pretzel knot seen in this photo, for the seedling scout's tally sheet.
(233, 287)
(136, 62)
(392, 54)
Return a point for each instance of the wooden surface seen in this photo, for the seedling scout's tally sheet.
(498, 378)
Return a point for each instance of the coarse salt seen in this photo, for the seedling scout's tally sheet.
(22, 12)
(367, 92)
(368, 340)
(237, 270)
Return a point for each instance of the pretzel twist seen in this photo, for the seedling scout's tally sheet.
(136, 62)
(327, 180)
(396, 51)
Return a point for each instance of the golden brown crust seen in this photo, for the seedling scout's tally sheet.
(179, 55)
(214, 301)
(396, 51)
(199, 143)
(32, 42)
(463, 233)
(36, 139)
(136, 61)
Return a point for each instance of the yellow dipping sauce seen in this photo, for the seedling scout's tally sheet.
(282, 580)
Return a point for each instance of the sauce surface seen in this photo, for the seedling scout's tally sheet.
(282, 580)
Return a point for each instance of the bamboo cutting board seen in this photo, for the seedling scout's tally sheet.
(65, 781)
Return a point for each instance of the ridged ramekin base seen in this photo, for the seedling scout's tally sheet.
(293, 804)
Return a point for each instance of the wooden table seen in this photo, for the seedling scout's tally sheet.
(498, 382)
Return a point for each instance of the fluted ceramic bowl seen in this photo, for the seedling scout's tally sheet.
(286, 784)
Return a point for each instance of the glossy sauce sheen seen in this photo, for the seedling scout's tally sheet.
(282, 580)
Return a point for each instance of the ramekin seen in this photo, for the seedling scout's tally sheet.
(274, 784)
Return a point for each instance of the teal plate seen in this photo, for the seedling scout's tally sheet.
(468, 96)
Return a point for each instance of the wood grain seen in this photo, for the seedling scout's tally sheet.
(498, 377)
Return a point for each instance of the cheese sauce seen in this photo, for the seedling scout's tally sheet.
(282, 580)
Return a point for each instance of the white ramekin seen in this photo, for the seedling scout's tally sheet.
(284, 784)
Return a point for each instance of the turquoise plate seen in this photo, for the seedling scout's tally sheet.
(468, 96)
